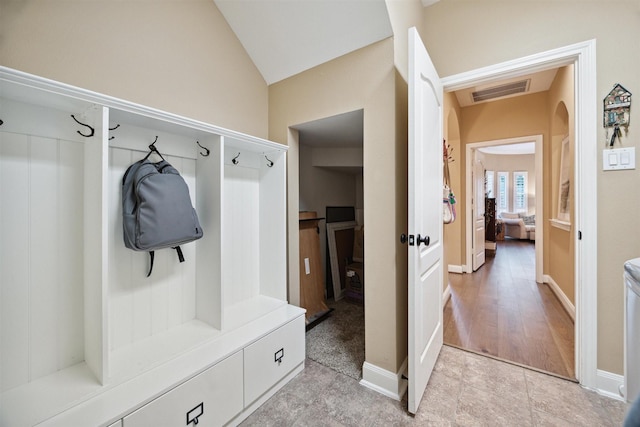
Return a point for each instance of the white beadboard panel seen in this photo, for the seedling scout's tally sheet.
(41, 246)
(120, 269)
(44, 256)
(240, 234)
(137, 139)
(209, 174)
(273, 228)
(184, 279)
(71, 254)
(14, 259)
(142, 307)
(34, 120)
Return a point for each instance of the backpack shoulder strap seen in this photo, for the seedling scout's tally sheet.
(151, 257)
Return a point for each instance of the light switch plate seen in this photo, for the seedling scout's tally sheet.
(619, 159)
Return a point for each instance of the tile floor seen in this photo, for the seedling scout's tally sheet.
(465, 389)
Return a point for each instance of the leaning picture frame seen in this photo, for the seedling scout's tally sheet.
(332, 228)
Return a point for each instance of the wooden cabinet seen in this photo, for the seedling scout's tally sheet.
(490, 226)
(80, 318)
(312, 284)
(490, 219)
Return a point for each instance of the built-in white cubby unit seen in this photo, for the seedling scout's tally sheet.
(85, 336)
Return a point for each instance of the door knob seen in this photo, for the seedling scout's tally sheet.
(423, 239)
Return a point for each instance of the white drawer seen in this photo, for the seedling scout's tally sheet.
(214, 397)
(269, 359)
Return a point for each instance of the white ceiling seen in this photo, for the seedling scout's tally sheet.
(342, 130)
(286, 37)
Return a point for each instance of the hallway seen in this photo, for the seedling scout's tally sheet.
(501, 311)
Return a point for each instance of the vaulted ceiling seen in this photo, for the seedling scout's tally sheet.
(286, 37)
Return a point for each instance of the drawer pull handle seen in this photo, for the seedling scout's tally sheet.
(192, 415)
(278, 356)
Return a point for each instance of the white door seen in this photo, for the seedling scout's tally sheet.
(425, 218)
(478, 207)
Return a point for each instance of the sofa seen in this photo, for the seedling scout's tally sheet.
(518, 225)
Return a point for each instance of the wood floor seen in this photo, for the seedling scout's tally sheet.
(501, 311)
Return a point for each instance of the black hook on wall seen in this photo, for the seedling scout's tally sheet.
(207, 151)
(235, 160)
(114, 128)
(153, 149)
(93, 131)
(269, 161)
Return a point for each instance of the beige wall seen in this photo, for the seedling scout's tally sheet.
(177, 56)
(453, 233)
(466, 35)
(365, 79)
(559, 243)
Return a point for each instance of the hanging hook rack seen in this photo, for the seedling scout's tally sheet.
(235, 160)
(207, 151)
(114, 128)
(93, 131)
(269, 161)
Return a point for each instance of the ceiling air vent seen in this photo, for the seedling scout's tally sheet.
(500, 91)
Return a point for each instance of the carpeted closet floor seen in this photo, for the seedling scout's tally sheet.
(338, 341)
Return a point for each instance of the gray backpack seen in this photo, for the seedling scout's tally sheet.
(156, 208)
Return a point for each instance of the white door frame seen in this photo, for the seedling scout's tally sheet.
(583, 56)
(471, 149)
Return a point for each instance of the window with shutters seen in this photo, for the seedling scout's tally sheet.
(489, 184)
(502, 196)
(520, 195)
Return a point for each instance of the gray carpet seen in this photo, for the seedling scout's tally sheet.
(338, 341)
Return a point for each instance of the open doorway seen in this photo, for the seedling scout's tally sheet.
(511, 308)
(331, 196)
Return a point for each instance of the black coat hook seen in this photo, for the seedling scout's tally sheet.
(153, 149)
(235, 160)
(207, 151)
(114, 128)
(1, 122)
(93, 131)
(269, 162)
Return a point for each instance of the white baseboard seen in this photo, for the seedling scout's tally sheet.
(568, 305)
(610, 385)
(456, 269)
(390, 384)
